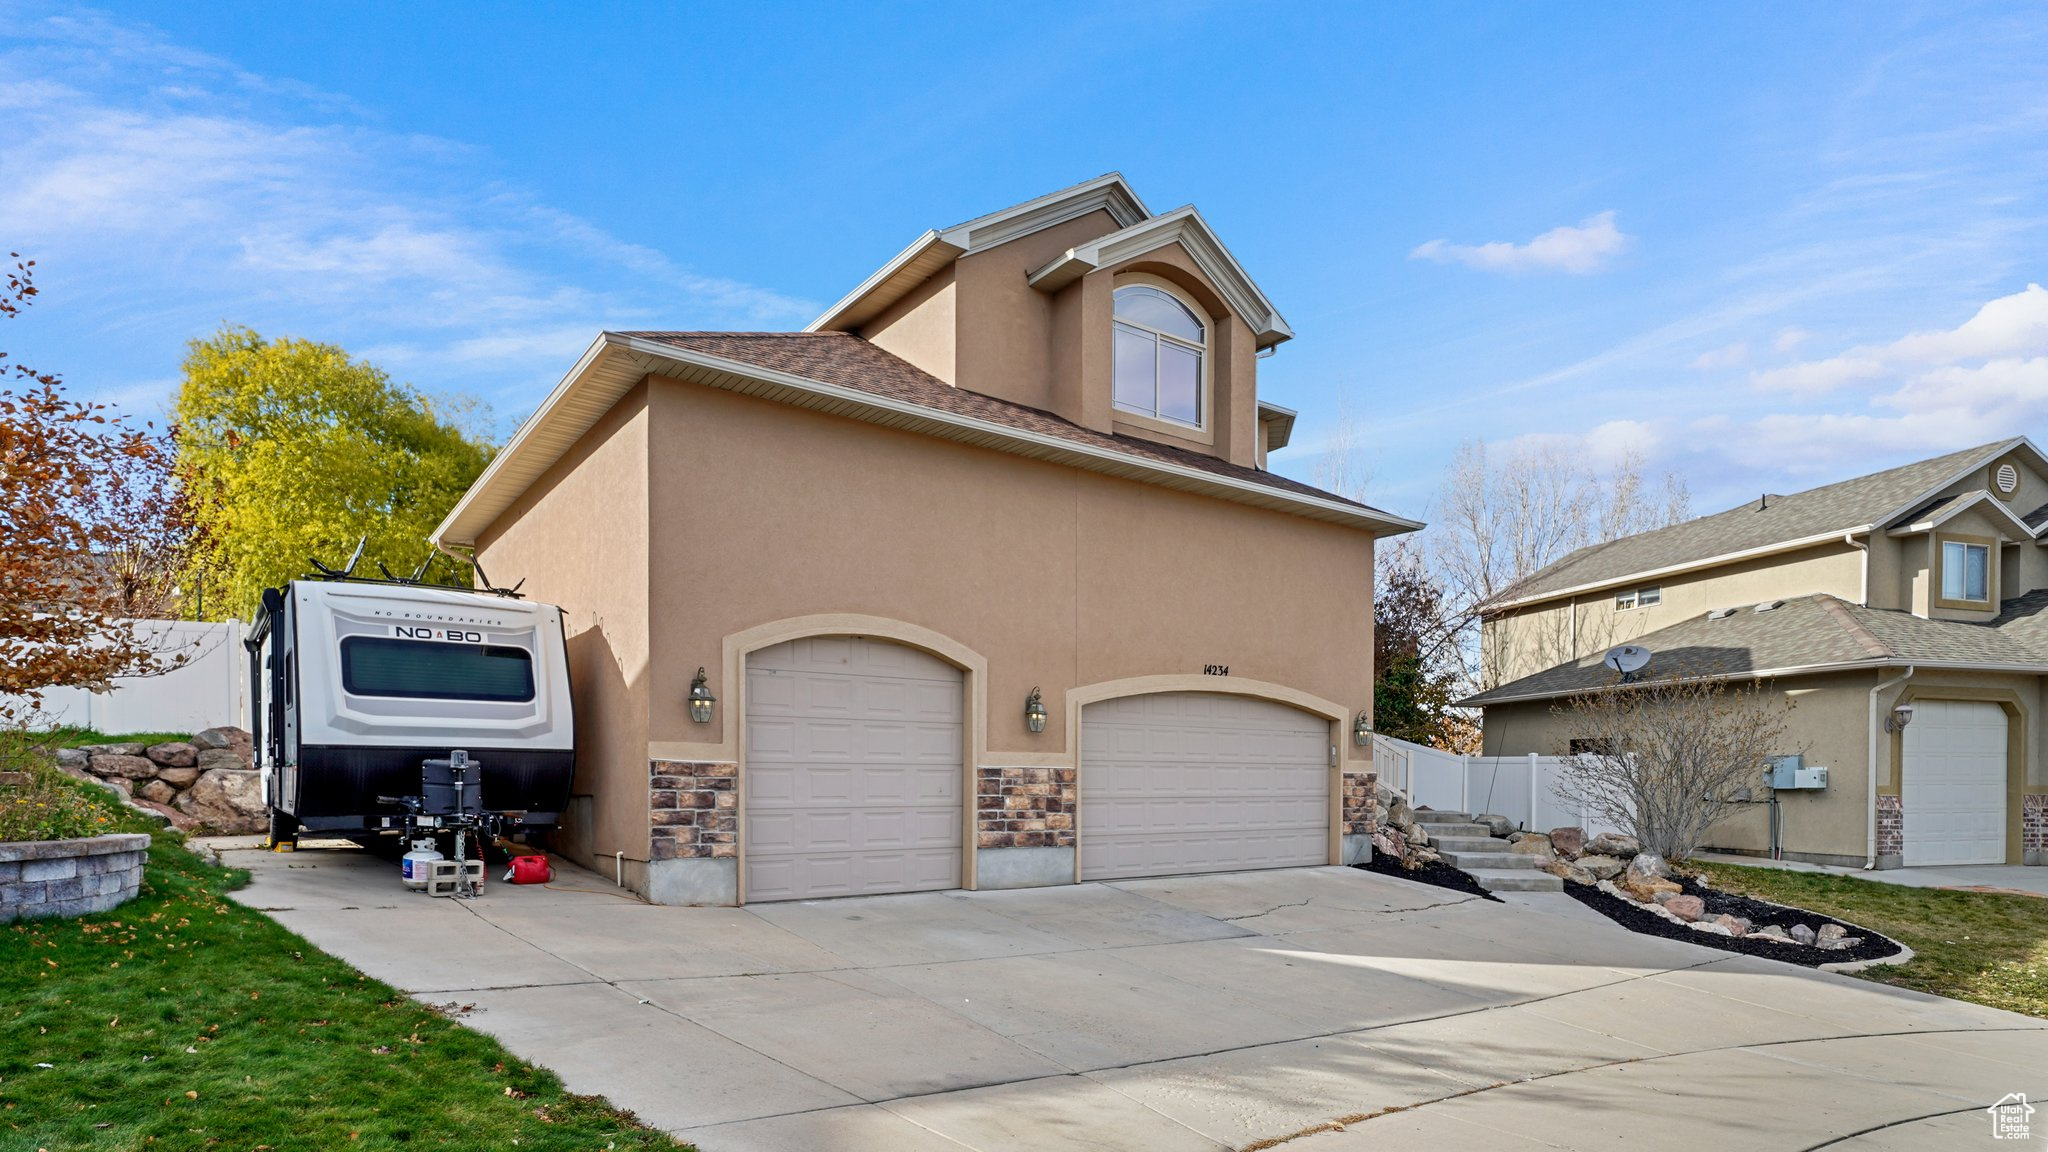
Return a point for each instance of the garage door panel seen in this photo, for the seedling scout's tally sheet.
(854, 784)
(1199, 782)
(1953, 786)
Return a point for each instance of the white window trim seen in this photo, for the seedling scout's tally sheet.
(1624, 601)
(1205, 399)
(1648, 596)
(1963, 573)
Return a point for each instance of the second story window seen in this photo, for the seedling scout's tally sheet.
(1159, 349)
(1965, 571)
(1639, 597)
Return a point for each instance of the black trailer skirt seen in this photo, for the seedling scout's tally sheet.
(331, 781)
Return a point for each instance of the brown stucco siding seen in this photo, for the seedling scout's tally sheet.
(579, 540)
(1058, 578)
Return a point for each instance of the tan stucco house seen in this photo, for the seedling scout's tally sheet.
(984, 570)
(1902, 615)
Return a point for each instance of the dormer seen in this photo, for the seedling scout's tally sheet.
(1974, 543)
(1086, 305)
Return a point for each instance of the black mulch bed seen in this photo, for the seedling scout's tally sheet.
(1436, 873)
(1636, 918)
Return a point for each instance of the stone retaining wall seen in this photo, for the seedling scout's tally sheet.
(69, 877)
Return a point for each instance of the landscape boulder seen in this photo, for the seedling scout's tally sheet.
(230, 801)
(1829, 933)
(178, 777)
(210, 758)
(1645, 890)
(1387, 842)
(173, 754)
(158, 791)
(1569, 842)
(1496, 825)
(113, 749)
(73, 758)
(1736, 925)
(1602, 867)
(1648, 866)
(1535, 845)
(1686, 908)
(122, 765)
(1801, 934)
(232, 738)
(1567, 870)
(1417, 835)
(1399, 814)
(1772, 932)
(1614, 844)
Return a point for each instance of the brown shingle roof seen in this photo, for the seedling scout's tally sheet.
(846, 360)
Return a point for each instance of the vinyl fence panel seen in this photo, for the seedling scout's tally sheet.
(209, 689)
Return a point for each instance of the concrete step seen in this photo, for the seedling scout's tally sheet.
(1437, 816)
(1515, 881)
(1459, 830)
(1502, 861)
(1467, 844)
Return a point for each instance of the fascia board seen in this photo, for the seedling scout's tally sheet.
(1958, 508)
(1988, 455)
(1281, 422)
(1474, 701)
(921, 250)
(1185, 226)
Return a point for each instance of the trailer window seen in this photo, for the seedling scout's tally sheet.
(428, 670)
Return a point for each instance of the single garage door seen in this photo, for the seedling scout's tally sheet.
(1954, 783)
(853, 770)
(1199, 782)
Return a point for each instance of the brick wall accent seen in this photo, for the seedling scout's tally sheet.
(69, 877)
(1024, 807)
(1891, 826)
(2034, 822)
(1358, 802)
(695, 809)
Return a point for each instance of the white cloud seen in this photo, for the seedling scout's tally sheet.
(1580, 248)
(1788, 339)
(1719, 358)
(164, 191)
(2010, 327)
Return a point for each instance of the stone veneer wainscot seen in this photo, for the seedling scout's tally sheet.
(69, 877)
(2034, 828)
(694, 805)
(1024, 808)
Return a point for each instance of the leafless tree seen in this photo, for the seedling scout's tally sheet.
(1345, 466)
(1664, 760)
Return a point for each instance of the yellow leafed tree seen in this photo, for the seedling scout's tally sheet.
(293, 450)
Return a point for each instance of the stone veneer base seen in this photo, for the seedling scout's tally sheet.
(41, 878)
(996, 868)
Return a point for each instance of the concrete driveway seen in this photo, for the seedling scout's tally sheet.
(1325, 1007)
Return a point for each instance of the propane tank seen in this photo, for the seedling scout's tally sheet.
(413, 868)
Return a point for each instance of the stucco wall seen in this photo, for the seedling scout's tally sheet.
(1059, 578)
(579, 538)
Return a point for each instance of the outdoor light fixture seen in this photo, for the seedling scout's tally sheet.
(701, 699)
(1361, 732)
(1900, 717)
(1034, 712)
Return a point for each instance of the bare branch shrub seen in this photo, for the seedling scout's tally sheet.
(1663, 761)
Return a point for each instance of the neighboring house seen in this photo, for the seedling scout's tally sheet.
(983, 568)
(1902, 613)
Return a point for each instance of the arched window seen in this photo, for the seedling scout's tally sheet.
(1159, 349)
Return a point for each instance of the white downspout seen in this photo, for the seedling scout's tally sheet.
(1870, 786)
(1863, 583)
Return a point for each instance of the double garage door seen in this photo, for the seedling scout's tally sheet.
(1954, 783)
(854, 777)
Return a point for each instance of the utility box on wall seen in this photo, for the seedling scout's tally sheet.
(1792, 774)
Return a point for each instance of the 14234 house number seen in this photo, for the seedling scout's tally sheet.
(1215, 669)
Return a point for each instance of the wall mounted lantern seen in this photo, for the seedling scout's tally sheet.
(701, 699)
(1361, 731)
(1900, 717)
(1034, 712)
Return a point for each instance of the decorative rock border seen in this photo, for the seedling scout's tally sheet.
(69, 877)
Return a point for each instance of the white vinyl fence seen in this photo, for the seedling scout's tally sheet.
(1517, 787)
(209, 689)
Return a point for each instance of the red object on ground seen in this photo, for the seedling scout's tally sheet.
(531, 870)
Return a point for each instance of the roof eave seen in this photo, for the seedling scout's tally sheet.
(1279, 423)
(1479, 700)
(1496, 607)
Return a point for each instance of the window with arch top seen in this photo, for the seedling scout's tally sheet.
(1159, 349)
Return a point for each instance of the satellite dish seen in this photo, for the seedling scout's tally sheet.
(1627, 659)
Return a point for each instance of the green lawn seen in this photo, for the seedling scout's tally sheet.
(182, 1020)
(1976, 946)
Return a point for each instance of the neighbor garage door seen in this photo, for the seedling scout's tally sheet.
(853, 770)
(1954, 783)
(1198, 782)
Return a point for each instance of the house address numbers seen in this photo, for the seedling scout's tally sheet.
(1215, 669)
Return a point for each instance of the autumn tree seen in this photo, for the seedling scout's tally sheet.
(1666, 760)
(295, 450)
(83, 494)
(1416, 669)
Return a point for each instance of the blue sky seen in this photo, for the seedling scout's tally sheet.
(1769, 245)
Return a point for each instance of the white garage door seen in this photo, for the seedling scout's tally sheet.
(853, 772)
(1954, 783)
(1195, 782)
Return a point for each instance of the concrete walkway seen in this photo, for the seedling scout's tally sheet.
(1969, 877)
(1326, 1008)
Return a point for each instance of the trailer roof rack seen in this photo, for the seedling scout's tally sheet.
(323, 572)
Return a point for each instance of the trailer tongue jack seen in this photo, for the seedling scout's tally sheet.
(450, 802)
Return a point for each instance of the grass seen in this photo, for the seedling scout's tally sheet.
(182, 1020)
(72, 736)
(1982, 947)
(53, 806)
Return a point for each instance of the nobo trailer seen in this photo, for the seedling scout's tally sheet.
(363, 692)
